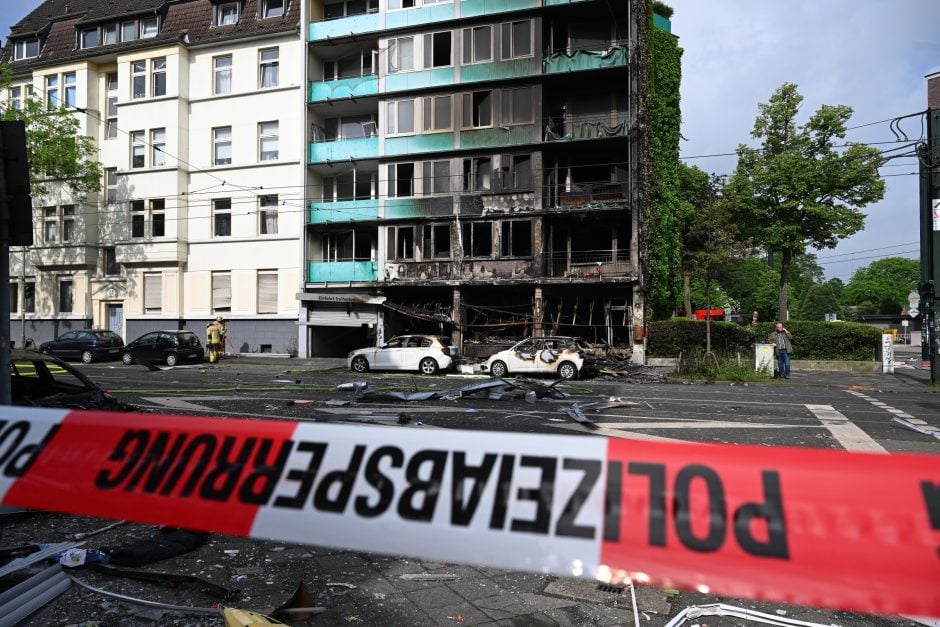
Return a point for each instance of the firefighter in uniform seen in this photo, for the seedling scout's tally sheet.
(215, 339)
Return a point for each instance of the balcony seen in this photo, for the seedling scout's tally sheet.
(579, 60)
(344, 211)
(662, 23)
(421, 79)
(499, 136)
(344, 88)
(499, 70)
(587, 196)
(138, 251)
(68, 254)
(423, 15)
(578, 127)
(344, 27)
(473, 8)
(590, 264)
(342, 271)
(412, 144)
(344, 150)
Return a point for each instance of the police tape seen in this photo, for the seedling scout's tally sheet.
(810, 527)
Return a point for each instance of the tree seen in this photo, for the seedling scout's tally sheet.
(59, 154)
(799, 188)
(752, 284)
(820, 299)
(883, 285)
(694, 188)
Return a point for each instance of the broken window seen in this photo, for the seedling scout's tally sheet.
(401, 243)
(401, 178)
(522, 171)
(477, 174)
(477, 109)
(517, 106)
(436, 177)
(437, 50)
(478, 239)
(401, 53)
(516, 39)
(436, 243)
(516, 240)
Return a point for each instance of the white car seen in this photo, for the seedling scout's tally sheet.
(425, 353)
(566, 357)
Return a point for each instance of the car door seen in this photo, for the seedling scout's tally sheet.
(414, 350)
(387, 357)
(524, 356)
(146, 347)
(166, 344)
(548, 355)
(84, 341)
(64, 346)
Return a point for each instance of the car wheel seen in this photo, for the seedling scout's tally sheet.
(171, 359)
(360, 364)
(428, 365)
(567, 370)
(127, 358)
(87, 357)
(499, 369)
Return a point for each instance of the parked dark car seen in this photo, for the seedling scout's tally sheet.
(169, 347)
(39, 380)
(88, 345)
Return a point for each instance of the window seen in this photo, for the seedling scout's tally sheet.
(437, 50)
(68, 223)
(437, 113)
(50, 225)
(349, 127)
(89, 38)
(436, 177)
(14, 297)
(477, 44)
(149, 27)
(517, 172)
(111, 184)
(272, 8)
(129, 30)
(157, 217)
(401, 117)
(516, 240)
(268, 72)
(436, 241)
(222, 68)
(137, 149)
(267, 214)
(401, 4)
(517, 40)
(29, 296)
(222, 145)
(353, 185)
(137, 218)
(226, 14)
(109, 262)
(112, 111)
(139, 79)
(158, 77)
(157, 147)
(267, 141)
(477, 239)
(16, 97)
(517, 106)
(109, 34)
(477, 174)
(477, 109)
(52, 92)
(401, 54)
(69, 83)
(222, 217)
(352, 66)
(401, 179)
(153, 292)
(66, 295)
(401, 242)
(27, 49)
(221, 291)
(267, 291)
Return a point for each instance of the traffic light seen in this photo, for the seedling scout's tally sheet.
(926, 291)
(16, 172)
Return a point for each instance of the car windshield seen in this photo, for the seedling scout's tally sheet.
(35, 380)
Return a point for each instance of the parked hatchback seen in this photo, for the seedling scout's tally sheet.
(88, 345)
(425, 353)
(566, 357)
(169, 347)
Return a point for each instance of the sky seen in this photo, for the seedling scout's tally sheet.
(869, 54)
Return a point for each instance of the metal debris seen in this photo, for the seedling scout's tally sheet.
(576, 413)
(429, 577)
(184, 609)
(353, 386)
(918, 425)
(401, 419)
(722, 609)
(94, 532)
(28, 596)
(46, 552)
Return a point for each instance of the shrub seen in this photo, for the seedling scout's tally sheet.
(668, 338)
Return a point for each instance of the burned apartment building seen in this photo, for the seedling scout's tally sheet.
(472, 171)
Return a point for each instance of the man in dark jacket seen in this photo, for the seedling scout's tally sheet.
(783, 346)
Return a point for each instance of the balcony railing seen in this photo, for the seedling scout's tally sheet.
(590, 264)
(586, 195)
(613, 54)
(351, 271)
(576, 127)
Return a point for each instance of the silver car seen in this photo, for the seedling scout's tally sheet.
(427, 354)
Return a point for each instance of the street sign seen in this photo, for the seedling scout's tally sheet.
(913, 298)
(913, 312)
(905, 323)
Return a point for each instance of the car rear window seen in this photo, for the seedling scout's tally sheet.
(108, 335)
(446, 341)
(188, 339)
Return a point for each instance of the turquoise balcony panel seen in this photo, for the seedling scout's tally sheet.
(662, 23)
(344, 211)
(344, 149)
(357, 87)
(472, 8)
(497, 137)
(584, 60)
(342, 271)
(417, 17)
(433, 142)
(344, 27)
(398, 208)
(551, 3)
(498, 71)
(404, 81)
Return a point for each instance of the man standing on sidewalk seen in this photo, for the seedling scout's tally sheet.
(783, 346)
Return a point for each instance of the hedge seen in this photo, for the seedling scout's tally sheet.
(848, 341)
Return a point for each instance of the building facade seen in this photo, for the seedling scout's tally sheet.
(194, 109)
(472, 170)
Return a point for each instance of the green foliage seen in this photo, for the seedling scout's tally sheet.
(661, 8)
(797, 189)
(883, 285)
(668, 338)
(753, 285)
(819, 300)
(697, 364)
(661, 221)
(59, 154)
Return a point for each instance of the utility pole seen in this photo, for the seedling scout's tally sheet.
(930, 228)
(6, 396)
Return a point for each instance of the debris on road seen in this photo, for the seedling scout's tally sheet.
(181, 609)
(918, 425)
(170, 580)
(30, 595)
(429, 577)
(94, 532)
(576, 413)
(634, 373)
(45, 551)
(233, 617)
(353, 386)
(693, 612)
(166, 543)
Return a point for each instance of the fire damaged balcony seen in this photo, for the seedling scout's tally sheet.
(590, 264)
(581, 127)
(590, 246)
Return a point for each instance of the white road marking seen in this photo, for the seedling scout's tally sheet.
(615, 433)
(846, 432)
(903, 418)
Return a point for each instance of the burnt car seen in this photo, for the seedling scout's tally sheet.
(562, 356)
(39, 380)
(87, 344)
(169, 347)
